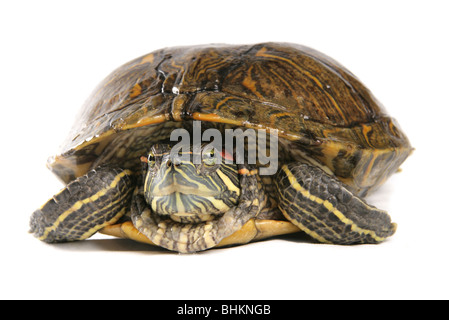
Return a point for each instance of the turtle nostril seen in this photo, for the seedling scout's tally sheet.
(171, 163)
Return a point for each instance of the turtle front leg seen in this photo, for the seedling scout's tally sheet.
(84, 206)
(326, 209)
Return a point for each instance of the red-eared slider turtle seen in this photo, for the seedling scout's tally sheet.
(335, 144)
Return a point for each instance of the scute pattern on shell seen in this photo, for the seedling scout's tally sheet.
(320, 109)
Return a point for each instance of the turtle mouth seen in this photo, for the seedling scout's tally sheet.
(187, 204)
(185, 190)
(187, 207)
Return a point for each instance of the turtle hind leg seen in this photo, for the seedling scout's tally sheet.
(326, 209)
(84, 206)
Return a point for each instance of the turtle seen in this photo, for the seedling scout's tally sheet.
(126, 176)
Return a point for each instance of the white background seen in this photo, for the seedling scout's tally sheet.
(53, 53)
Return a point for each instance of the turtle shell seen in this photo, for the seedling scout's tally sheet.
(320, 110)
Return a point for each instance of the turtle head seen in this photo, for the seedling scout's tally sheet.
(188, 191)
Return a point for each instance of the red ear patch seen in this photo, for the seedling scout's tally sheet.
(144, 159)
(226, 155)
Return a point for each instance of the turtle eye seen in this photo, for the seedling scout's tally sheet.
(209, 157)
(151, 160)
